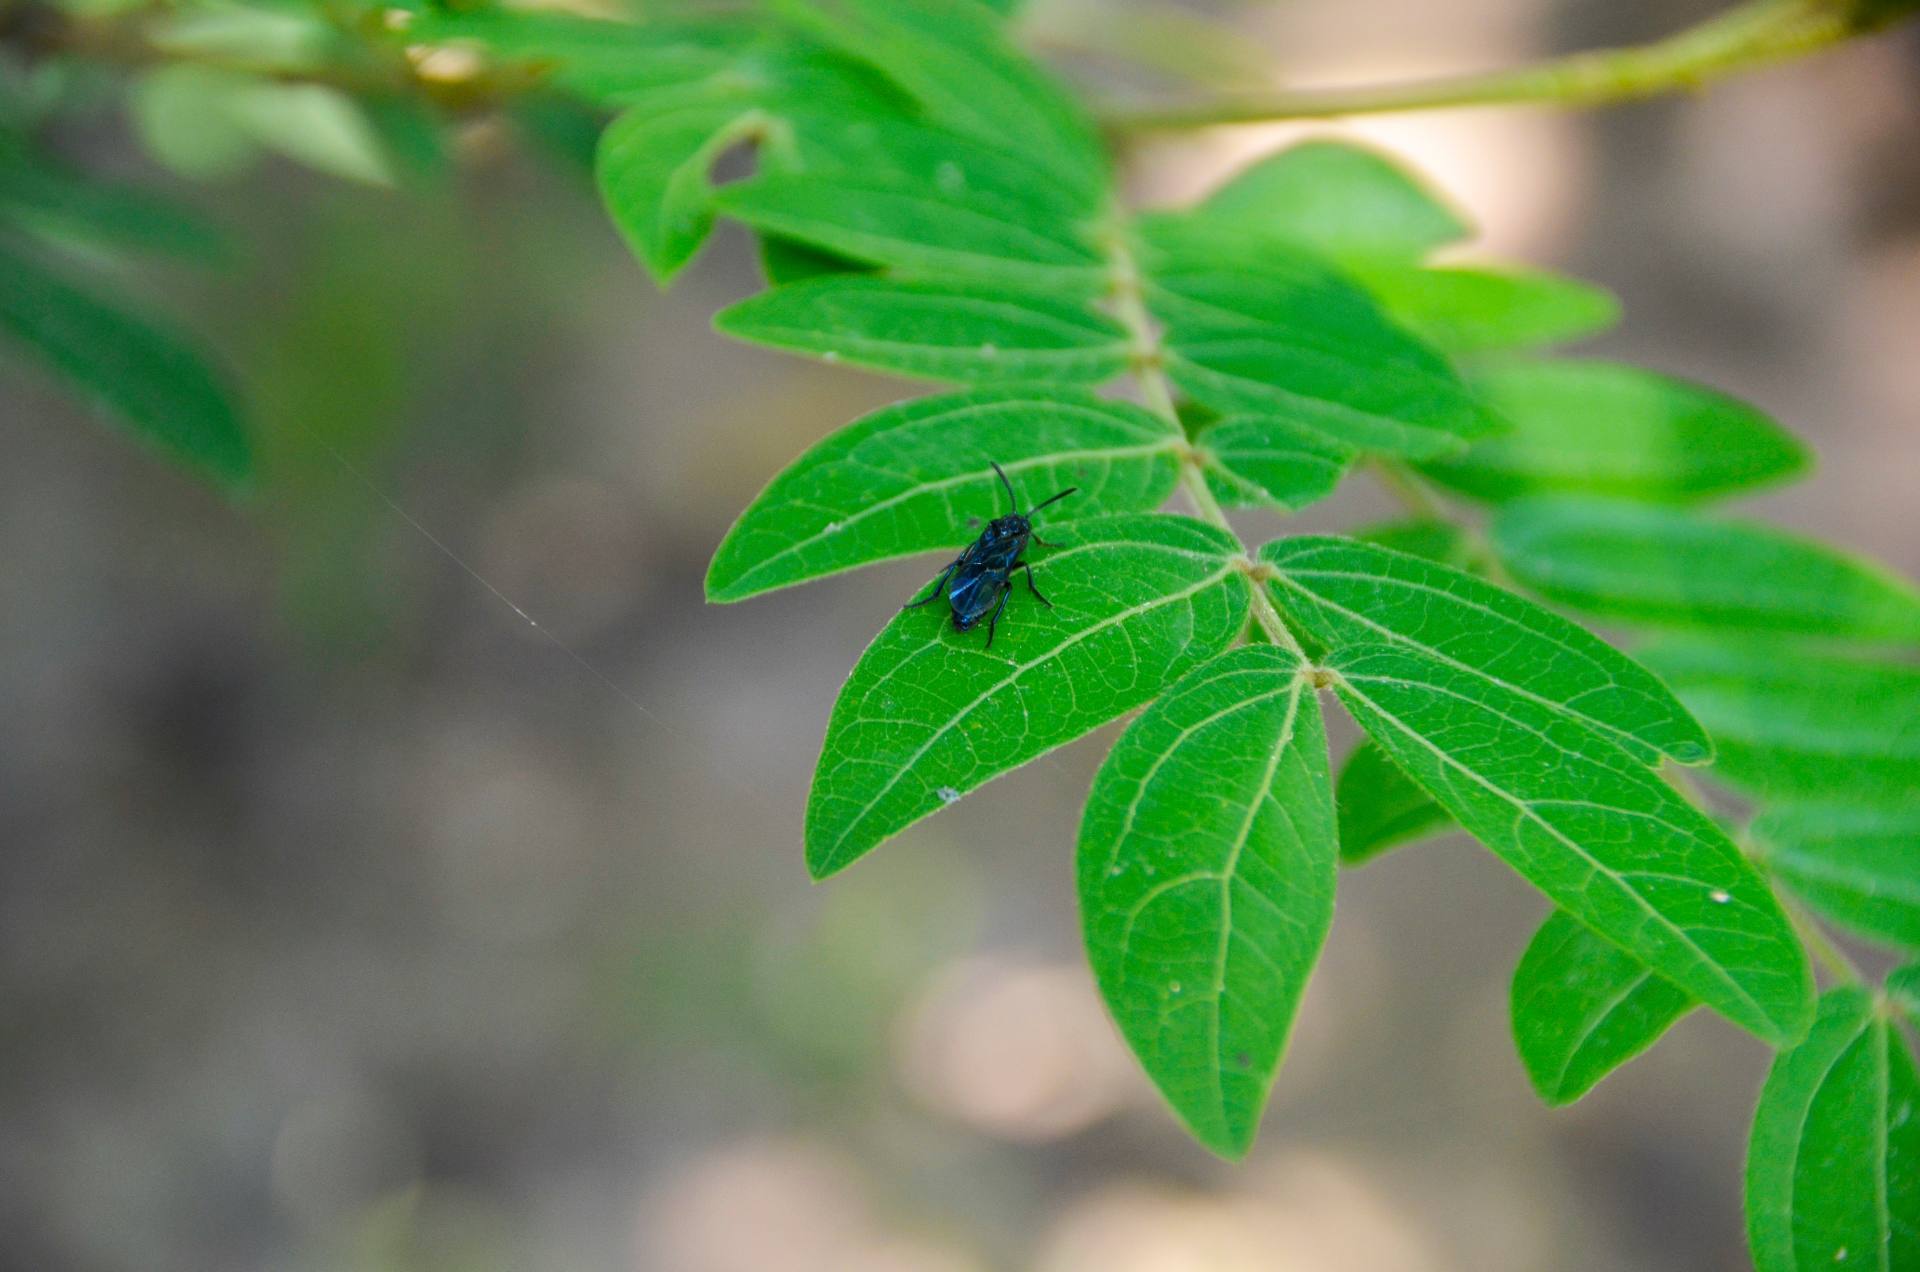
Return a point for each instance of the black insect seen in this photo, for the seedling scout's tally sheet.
(982, 575)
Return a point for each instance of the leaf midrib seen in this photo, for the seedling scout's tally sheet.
(1595, 1023)
(1882, 1089)
(1161, 760)
(1262, 794)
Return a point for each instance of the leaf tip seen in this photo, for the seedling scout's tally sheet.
(824, 862)
(1233, 1146)
(722, 584)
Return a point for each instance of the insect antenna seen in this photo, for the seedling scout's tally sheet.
(1013, 505)
(1054, 499)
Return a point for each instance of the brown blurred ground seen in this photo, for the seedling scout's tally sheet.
(347, 923)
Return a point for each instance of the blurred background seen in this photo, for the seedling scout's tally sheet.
(348, 922)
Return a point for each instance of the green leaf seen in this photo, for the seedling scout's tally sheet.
(915, 477)
(411, 134)
(182, 115)
(1582, 1007)
(1264, 329)
(1257, 461)
(915, 153)
(1670, 568)
(953, 331)
(910, 227)
(1833, 1169)
(1600, 428)
(930, 713)
(145, 376)
(204, 122)
(1590, 826)
(1466, 310)
(315, 125)
(260, 35)
(1206, 869)
(954, 58)
(1342, 200)
(1381, 807)
(783, 261)
(1793, 724)
(654, 160)
(62, 205)
(652, 168)
(1859, 867)
(1343, 592)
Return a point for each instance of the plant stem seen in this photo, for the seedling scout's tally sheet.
(1148, 357)
(1749, 36)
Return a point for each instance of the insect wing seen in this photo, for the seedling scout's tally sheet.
(975, 591)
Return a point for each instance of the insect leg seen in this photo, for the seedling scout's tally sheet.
(1042, 542)
(939, 584)
(994, 621)
(1031, 588)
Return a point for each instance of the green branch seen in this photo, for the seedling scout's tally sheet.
(1747, 37)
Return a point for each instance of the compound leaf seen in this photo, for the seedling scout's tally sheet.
(1582, 1007)
(915, 477)
(1206, 872)
(1342, 200)
(1468, 310)
(1342, 592)
(930, 713)
(1600, 428)
(1381, 808)
(1590, 826)
(1800, 725)
(1833, 1168)
(1672, 568)
(1858, 866)
(1258, 461)
(147, 378)
(945, 330)
(67, 205)
(906, 226)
